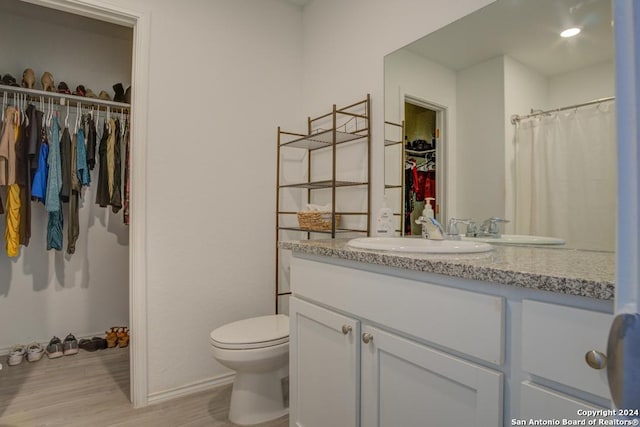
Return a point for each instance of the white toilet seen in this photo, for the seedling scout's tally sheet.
(258, 350)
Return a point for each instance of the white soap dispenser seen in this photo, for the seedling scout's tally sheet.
(427, 212)
(384, 221)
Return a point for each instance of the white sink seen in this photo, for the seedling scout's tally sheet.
(517, 239)
(418, 245)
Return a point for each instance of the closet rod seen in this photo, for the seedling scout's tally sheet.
(516, 118)
(36, 94)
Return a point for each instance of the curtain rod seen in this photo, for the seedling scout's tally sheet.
(516, 118)
(63, 98)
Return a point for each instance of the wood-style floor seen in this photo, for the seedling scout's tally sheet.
(92, 389)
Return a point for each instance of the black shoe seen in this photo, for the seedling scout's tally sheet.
(119, 92)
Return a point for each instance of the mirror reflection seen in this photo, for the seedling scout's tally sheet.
(499, 116)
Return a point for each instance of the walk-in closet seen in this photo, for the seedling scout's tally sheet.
(80, 284)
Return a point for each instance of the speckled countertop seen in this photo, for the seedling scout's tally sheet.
(574, 272)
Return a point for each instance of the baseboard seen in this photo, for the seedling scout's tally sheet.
(195, 387)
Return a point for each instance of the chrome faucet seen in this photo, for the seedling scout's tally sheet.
(431, 228)
(452, 229)
(490, 227)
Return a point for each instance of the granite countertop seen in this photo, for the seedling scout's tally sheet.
(567, 271)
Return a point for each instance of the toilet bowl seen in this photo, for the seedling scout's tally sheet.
(257, 349)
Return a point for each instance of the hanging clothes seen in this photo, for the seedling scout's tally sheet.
(81, 160)
(39, 185)
(23, 179)
(8, 148)
(73, 228)
(54, 185)
(54, 177)
(127, 175)
(12, 224)
(115, 199)
(65, 162)
(102, 192)
(91, 142)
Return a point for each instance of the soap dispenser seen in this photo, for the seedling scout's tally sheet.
(384, 221)
(427, 212)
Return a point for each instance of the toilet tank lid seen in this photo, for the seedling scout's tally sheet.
(254, 330)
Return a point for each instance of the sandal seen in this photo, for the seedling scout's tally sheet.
(112, 337)
(123, 336)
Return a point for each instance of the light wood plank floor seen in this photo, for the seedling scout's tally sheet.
(92, 389)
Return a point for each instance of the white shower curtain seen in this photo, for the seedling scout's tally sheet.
(565, 176)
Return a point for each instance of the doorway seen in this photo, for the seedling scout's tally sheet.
(139, 21)
(423, 155)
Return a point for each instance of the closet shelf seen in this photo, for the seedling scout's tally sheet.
(35, 94)
(419, 152)
(324, 139)
(323, 184)
(337, 213)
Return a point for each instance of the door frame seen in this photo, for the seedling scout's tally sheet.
(140, 21)
(442, 180)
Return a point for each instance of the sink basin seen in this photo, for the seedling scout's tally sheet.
(517, 239)
(418, 245)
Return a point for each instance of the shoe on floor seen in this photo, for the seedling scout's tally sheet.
(87, 345)
(35, 351)
(17, 355)
(70, 345)
(54, 349)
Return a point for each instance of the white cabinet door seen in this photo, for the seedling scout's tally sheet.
(324, 363)
(406, 384)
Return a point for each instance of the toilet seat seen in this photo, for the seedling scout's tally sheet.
(257, 332)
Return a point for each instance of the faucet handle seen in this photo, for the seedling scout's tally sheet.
(490, 226)
(452, 229)
(472, 229)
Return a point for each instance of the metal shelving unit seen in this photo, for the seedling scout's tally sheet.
(347, 125)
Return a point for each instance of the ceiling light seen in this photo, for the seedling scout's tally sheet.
(570, 32)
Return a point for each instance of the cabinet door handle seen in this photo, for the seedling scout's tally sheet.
(346, 329)
(596, 359)
(367, 338)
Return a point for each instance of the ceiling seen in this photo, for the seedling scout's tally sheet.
(528, 31)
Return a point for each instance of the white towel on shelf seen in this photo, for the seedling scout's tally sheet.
(319, 208)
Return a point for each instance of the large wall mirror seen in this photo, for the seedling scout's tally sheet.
(498, 115)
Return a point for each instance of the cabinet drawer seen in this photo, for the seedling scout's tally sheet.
(460, 320)
(539, 402)
(555, 340)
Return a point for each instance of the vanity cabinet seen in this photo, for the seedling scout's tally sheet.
(366, 350)
(556, 341)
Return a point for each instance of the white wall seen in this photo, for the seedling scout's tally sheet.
(481, 138)
(594, 82)
(524, 89)
(223, 75)
(45, 293)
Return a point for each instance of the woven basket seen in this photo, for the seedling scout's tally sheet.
(314, 220)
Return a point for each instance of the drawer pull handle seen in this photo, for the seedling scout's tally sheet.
(367, 338)
(596, 359)
(346, 329)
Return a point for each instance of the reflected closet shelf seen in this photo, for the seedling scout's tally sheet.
(323, 184)
(324, 139)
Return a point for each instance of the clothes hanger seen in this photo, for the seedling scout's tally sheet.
(77, 121)
(4, 104)
(66, 119)
(24, 106)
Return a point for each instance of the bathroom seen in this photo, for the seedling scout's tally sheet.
(225, 74)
